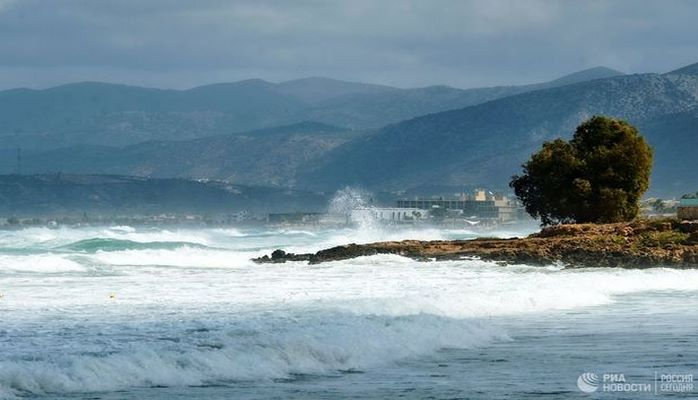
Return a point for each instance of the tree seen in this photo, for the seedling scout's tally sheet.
(598, 176)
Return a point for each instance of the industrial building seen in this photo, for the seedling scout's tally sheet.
(481, 205)
(688, 209)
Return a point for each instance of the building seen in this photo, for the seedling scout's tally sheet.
(294, 218)
(399, 214)
(688, 209)
(470, 208)
(480, 205)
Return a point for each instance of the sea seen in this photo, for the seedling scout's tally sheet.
(122, 312)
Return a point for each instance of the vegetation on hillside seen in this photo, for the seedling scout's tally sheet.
(484, 145)
(598, 176)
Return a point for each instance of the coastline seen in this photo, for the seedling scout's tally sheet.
(639, 244)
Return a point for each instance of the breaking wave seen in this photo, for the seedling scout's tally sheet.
(106, 244)
(188, 307)
(38, 263)
(257, 349)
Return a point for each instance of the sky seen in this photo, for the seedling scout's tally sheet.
(185, 43)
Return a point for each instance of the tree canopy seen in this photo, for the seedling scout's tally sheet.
(598, 176)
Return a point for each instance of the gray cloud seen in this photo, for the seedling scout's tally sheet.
(180, 43)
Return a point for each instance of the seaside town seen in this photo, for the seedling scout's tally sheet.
(480, 209)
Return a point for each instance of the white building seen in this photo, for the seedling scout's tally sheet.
(387, 214)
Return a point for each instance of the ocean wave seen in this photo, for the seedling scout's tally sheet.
(229, 232)
(38, 263)
(180, 256)
(259, 349)
(47, 238)
(123, 228)
(158, 235)
(107, 244)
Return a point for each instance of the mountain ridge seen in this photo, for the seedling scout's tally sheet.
(691, 69)
(483, 145)
(478, 145)
(117, 114)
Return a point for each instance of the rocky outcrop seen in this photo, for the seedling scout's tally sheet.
(639, 244)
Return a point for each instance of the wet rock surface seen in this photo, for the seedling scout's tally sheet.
(641, 244)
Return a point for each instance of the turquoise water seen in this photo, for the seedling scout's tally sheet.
(120, 312)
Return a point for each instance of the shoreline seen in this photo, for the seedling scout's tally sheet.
(639, 244)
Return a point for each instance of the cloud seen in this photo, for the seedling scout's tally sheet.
(6, 4)
(179, 43)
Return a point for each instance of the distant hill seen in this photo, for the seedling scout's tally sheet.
(93, 113)
(264, 157)
(380, 108)
(687, 70)
(589, 74)
(479, 145)
(486, 143)
(675, 139)
(64, 194)
(316, 89)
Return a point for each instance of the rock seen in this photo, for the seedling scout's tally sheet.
(630, 245)
(688, 226)
(278, 255)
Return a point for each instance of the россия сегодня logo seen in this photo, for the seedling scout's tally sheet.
(588, 382)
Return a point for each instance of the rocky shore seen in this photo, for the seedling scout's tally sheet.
(640, 244)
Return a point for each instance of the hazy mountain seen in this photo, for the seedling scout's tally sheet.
(267, 157)
(687, 70)
(675, 139)
(480, 145)
(581, 76)
(64, 194)
(360, 110)
(316, 90)
(486, 143)
(106, 114)
(92, 113)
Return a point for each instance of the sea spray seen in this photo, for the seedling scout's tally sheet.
(348, 199)
(239, 349)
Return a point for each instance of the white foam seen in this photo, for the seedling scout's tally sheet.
(256, 350)
(229, 232)
(157, 236)
(44, 263)
(122, 228)
(355, 313)
(184, 256)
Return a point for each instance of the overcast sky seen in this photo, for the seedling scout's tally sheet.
(181, 44)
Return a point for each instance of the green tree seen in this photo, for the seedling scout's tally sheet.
(598, 176)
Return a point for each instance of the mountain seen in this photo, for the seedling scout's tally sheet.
(66, 194)
(359, 110)
(107, 114)
(675, 140)
(687, 70)
(93, 113)
(486, 143)
(268, 157)
(585, 75)
(479, 145)
(316, 89)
